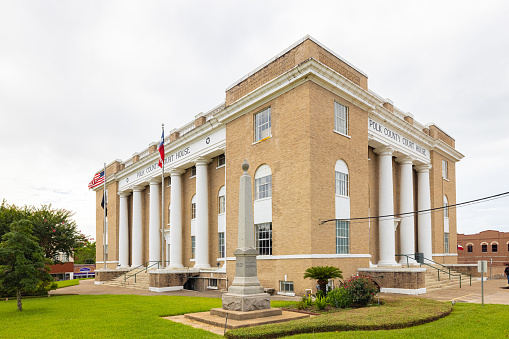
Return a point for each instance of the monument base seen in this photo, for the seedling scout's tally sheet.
(238, 315)
(246, 302)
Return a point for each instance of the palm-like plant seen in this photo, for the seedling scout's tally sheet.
(322, 274)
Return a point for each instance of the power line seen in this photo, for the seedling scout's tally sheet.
(406, 214)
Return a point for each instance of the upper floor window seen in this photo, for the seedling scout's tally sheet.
(494, 247)
(446, 207)
(263, 182)
(342, 178)
(446, 242)
(340, 118)
(444, 169)
(169, 212)
(193, 207)
(221, 160)
(470, 248)
(222, 245)
(193, 171)
(262, 125)
(484, 248)
(222, 200)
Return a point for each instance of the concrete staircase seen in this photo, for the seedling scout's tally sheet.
(432, 282)
(142, 280)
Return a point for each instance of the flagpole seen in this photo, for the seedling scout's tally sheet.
(162, 204)
(104, 220)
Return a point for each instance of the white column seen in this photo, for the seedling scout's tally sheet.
(424, 203)
(137, 233)
(387, 239)
(176, 220)
(123, 231)
(202, 215)
(406, 203)
(154, 226)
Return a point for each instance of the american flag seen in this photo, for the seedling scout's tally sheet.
(98, 180)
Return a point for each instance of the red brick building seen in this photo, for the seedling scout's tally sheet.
(492, 246)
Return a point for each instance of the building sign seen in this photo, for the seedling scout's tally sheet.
(174, 158)
(84, 269)
(393, 138)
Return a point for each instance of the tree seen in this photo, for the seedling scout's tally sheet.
(86, 253)
(22, 263)
(54, 228)
(322, 274)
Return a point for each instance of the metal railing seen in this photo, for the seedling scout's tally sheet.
(445, 269)
(146, 266)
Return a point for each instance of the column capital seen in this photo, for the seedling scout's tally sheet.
(202, 161)
(423, 168)
(386, 150)
(139, 188)
(124, 194)
(405, 160)
(176, 172)
(155, 181)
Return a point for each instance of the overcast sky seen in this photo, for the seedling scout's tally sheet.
(88, 82)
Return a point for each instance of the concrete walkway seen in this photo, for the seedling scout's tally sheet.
(496, 291)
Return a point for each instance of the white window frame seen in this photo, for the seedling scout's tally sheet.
(221, 201)
(263, 237)
(445, 168)
(193, 247)
(193, 172)
(221, 160)
(446, 242)
(262, 125)
(212, 283)
(286, 286)
(193, 207)
(342, 237)
(340, 118)
(221, 245)
(263, 182)
(342, 184)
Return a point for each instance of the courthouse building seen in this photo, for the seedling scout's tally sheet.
(321, 146)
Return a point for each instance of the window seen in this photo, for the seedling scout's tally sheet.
(470, 248)
(484, 248)
(193, 207)
(221, 160)
(262, 125)
(264, 238)
(494, 247)
(342, 237)
(169, 212)
(193, 172)
(212, 283)
(508, 246)
(340, 118)
(169, 181)
(342, 183)
(286, 286)
(446, 207)
(444, 169)
(263, 182)
(446, 242)
(221, 208)
(222, 245)
(193, 246)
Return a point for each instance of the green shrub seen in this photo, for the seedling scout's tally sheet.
(321, 303)
(361, 289)
(339, 298)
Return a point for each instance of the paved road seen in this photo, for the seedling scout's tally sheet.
(496, 291)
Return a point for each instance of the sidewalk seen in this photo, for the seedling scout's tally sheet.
(496, 291)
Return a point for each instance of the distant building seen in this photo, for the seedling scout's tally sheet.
(492, 246)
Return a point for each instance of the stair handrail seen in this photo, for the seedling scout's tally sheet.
(436, 268)
(146, 265)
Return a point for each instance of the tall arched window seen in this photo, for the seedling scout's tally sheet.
(446, 225)
(263, 210)
(193, 207)
(342, 203)
(169, 212)
(263, 182)
(221, 200)
(221, 222)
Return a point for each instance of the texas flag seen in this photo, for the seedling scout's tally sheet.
(161, 151)
(460, 247)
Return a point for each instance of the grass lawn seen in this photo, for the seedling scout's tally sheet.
(139, 316)
(465, 321)
(72, 282)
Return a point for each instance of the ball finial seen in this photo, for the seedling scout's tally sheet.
(245, 166)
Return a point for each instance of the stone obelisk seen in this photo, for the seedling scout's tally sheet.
(246, 293)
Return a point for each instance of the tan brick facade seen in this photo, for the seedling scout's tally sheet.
(302, 152)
